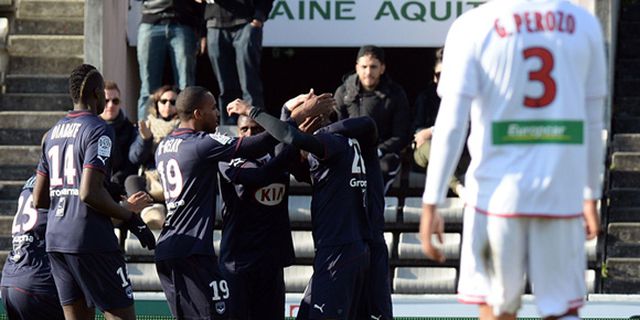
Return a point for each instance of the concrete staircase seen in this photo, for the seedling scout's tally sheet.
(44, 44)
(622, 250)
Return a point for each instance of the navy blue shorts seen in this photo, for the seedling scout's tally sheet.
(336, 288)
(378, 284)
(25, 305)
(101, 279)
(257, 293)
(194, 287)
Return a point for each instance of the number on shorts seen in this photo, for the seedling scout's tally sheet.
(223, 288)
(123, 277)
(542, 75)
(171, 178)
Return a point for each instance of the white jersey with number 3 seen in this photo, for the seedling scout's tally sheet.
(530, 66)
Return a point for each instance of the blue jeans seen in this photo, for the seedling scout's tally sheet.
(235, 56)
(154, 41)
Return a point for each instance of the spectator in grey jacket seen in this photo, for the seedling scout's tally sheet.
(234, 44)
(369, 92)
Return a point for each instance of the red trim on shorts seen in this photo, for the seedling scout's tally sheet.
(40, 173)
(471, 298)
(528, 215)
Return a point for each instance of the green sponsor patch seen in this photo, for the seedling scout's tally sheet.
(537, 131)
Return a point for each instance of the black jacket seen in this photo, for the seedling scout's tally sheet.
(187, 12)
(387, 105)
(230, 13)
(125, 135)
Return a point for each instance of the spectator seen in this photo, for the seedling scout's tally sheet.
(426, 108)
(369, 92)
(168, 27)
(234, 44)
(125, 135)
(163, 118)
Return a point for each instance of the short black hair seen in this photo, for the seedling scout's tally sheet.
(189, 100)
(370, 50)
(81, 76)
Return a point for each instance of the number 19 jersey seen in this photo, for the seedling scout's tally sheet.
(529, 67)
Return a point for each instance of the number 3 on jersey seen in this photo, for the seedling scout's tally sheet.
(542, 75)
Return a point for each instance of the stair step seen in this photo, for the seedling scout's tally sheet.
(629, 49)
(6, 243)
(623, 214)
(48, 9)
(30, 119)
(628, 87)
(624, 233)
(43, 65)
(6, 222)
(10, 190)
(628, 30)
(37, 84)
(624, 179)
(35, 102)
(45, 45)
(23, 155)
(626, 106)
(627, 68)
(625, 161)
(622, 275)
(48, 26)
(625, 124)
(8, 207)
(624, 197)
(626, 142)
(17, 172)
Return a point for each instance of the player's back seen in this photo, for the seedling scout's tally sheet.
(27, 266)
(78, 141)
(530, 66)
(338, 205)
(187, 163)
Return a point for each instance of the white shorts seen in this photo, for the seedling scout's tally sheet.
(498, 253)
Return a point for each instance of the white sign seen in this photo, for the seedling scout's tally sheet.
(353, 23)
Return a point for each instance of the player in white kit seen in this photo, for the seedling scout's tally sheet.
(530, 76)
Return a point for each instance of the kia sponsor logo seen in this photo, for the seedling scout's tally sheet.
(270, 195)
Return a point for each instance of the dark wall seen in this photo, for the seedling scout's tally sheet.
(287, 72)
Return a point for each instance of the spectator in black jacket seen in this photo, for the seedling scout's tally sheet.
(171, 27)
(369, 92)
(234, 44)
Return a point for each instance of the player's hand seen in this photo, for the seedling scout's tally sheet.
(239, 107)
(144, 129)
(298, 100)
(431, 223)
(138, 201)
(422, 136)
(591, 219)
(310, 125)
(141, 231)
(203, 46)
(313, 106)
(256, 23)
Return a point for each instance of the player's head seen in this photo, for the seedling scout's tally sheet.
(248, 127)
(437, 66)
(86, 87)
(196, 105)
(370, 66)
(112, 101)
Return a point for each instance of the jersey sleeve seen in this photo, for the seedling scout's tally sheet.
(217, 147)
(332, 144)
(597, 76)
(43, 165)
(460, 72)
(98, 149)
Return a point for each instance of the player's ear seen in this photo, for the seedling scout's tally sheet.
(197, 114)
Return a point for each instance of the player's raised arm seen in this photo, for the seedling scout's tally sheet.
(280, 130)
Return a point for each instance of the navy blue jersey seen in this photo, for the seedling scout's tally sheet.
(338, 205)
(256, 226)
(79, 140)
(360, 128)
(27, 266)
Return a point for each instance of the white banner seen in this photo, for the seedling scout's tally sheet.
(353, 23)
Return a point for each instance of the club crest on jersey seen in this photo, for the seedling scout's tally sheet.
(270, 195)
(222, 139)
(221, 307)
(104, 148)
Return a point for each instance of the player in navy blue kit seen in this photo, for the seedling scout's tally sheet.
(256, 235)
(86, 263)
(28, 290)
(339, 215)
(378, 285)
(187, 161)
